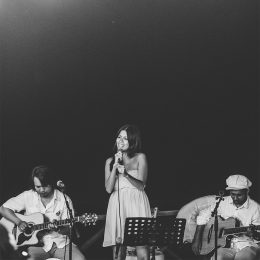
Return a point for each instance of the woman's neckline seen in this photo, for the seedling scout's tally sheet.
(132, 170)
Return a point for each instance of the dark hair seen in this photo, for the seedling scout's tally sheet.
(134, 139)
(45, 175)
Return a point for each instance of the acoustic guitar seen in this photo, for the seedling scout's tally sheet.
(36, 223)
(226, 229)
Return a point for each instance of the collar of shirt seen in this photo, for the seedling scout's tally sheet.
(51, 203)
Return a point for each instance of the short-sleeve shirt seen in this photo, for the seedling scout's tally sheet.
(30, 202)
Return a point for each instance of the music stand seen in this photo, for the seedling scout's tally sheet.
(160, 231)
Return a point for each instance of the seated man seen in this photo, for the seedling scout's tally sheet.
(241, 207)
(43, 198)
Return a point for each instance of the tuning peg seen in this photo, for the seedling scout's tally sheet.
(90, 219)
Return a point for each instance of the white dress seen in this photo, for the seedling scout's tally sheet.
(133, 203)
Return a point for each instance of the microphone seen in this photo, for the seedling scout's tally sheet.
(120, 160)
(118, 243)
(60, 184)
(221, 193)
(218, 199)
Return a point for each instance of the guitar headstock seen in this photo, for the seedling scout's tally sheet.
(89, 219)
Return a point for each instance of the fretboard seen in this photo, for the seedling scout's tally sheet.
(238, 230)
(58, 223)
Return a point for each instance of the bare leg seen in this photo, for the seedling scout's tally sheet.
(143, 253)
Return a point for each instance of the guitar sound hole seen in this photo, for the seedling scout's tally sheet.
(28, 230)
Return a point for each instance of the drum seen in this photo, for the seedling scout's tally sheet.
(131, 254)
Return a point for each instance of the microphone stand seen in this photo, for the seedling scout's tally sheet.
(70, 223)
(214, 213)
(119, 239)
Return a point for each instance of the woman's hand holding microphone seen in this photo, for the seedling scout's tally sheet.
(118, 162)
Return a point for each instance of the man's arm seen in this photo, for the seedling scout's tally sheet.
(15, 204)
(11, 216)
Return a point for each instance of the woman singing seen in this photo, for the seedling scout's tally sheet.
(125, 178)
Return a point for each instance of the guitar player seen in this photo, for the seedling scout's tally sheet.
(240, 206)
(43, 198)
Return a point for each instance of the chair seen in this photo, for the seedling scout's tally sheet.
(190, 211)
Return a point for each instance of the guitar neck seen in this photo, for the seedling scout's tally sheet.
(59, 223)
(101, 217)
(237, 230)
(65, 222)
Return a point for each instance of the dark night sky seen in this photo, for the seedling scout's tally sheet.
(184, 71)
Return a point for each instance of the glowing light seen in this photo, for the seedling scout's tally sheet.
(24, 253)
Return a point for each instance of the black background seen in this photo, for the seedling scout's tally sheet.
(73, 72)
